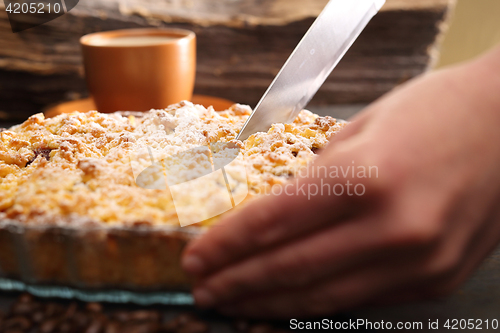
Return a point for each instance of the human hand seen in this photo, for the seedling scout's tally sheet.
(419, 230)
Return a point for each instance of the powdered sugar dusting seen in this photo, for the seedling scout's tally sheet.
(88, 174)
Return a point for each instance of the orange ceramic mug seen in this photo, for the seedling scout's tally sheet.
(139, 69)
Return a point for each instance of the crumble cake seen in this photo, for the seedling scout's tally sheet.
(71, 209)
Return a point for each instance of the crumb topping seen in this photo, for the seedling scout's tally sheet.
(81, 166)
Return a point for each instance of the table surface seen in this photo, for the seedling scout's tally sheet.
(479, 298)
(217, 323)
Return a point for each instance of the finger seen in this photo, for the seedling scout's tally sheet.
(295, 264)
(264, 223)
(355, 126)
(343, 293)
(442, 271)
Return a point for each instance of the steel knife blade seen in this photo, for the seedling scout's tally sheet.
(318, 53)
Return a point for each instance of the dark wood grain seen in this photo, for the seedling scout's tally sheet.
(238, 55)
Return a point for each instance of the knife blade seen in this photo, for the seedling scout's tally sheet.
(318, 53)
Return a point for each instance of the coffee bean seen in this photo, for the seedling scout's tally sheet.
(53, 317)
(122, 316)
(186, 317)
(17, 322)
(112, 327)
(96, 326)
(145, 315)
(71, 310)
(38, 316)
(241, 326)
(94, 307)
(22, 308)
(140, 328)
(13, 331)
(49, 326)
(194, 327)
(261, 328)
(171, 326)
(53, 309)
(66, 327)
(24, 305)
(25, 298)
(81, 320)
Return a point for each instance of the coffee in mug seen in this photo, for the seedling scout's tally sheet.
(139, 69)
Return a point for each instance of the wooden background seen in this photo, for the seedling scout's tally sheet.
(242, 44)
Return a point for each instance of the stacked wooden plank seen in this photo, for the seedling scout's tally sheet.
(241, 46)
